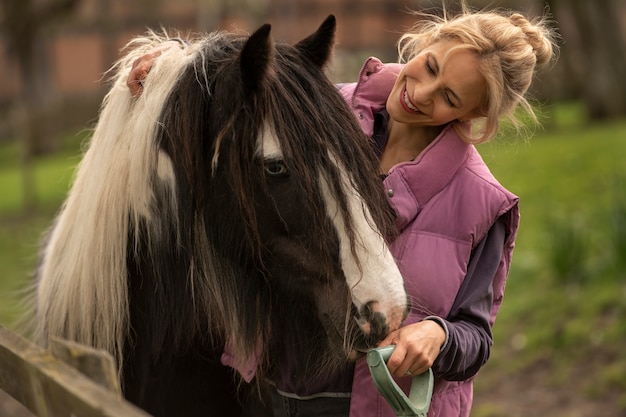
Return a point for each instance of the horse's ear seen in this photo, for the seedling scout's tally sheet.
(255, 58)
(318, 46)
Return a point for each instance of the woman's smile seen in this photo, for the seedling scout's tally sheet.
(407, 104)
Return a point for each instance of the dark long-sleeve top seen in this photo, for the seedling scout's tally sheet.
(469, 332)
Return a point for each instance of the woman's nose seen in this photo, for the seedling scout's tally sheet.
(422, 93)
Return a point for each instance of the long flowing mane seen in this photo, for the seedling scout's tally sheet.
(220, 206)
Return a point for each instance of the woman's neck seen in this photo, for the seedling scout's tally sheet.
(405, 142)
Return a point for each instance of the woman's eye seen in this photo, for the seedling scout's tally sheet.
(276, 168)
(429, 68)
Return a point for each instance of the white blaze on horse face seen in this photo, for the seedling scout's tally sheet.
(268, 144)
(373, 276)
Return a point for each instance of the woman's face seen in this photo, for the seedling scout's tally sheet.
(427, 93)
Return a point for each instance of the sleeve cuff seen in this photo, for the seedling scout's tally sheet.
(444, 326)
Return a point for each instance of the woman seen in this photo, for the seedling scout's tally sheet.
(457, 225)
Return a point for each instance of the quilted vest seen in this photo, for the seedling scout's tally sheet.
(446, 200)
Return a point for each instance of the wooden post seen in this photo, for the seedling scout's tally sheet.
(49, 387)
(95, 364)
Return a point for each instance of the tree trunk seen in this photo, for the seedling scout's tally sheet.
(23, 21)
(596, 37)
(21, 116)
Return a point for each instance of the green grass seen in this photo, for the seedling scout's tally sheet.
(566, 294)
(20, 234)
(52, 175)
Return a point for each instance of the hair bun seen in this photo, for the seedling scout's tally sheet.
(539, 37)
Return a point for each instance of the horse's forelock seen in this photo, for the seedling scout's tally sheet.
(209, 130)
(315, 121)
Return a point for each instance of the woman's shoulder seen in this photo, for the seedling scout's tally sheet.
(478, 172)
(369, 93)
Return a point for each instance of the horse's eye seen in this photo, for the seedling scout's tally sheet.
(276, 168)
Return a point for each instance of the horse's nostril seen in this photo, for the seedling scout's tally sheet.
(377, 326)
(366, 311)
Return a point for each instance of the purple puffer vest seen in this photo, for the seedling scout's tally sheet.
(446, 201)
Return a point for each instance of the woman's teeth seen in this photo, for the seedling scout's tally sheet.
(408, 103)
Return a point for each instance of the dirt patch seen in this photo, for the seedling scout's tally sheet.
(537, 393)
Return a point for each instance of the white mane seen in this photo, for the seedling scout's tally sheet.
(82, 281)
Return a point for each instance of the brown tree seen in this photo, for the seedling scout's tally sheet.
(595, 52)
(24, 22)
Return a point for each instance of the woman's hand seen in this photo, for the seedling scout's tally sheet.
(141, 67)
(417, 347)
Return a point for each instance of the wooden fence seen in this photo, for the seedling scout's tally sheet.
(69, 380)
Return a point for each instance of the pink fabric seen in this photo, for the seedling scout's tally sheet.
(246, 367)
(366, 101)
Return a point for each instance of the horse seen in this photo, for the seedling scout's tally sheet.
(235, 204)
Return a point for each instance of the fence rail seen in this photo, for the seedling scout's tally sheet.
(69, 380)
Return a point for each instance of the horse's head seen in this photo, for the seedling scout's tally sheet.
(236, 198)
(271, 161)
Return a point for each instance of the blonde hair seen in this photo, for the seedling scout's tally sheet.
(509, 48)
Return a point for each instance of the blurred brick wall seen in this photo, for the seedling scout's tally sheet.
(81, 49)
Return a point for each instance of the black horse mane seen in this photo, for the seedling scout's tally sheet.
(315, 128)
